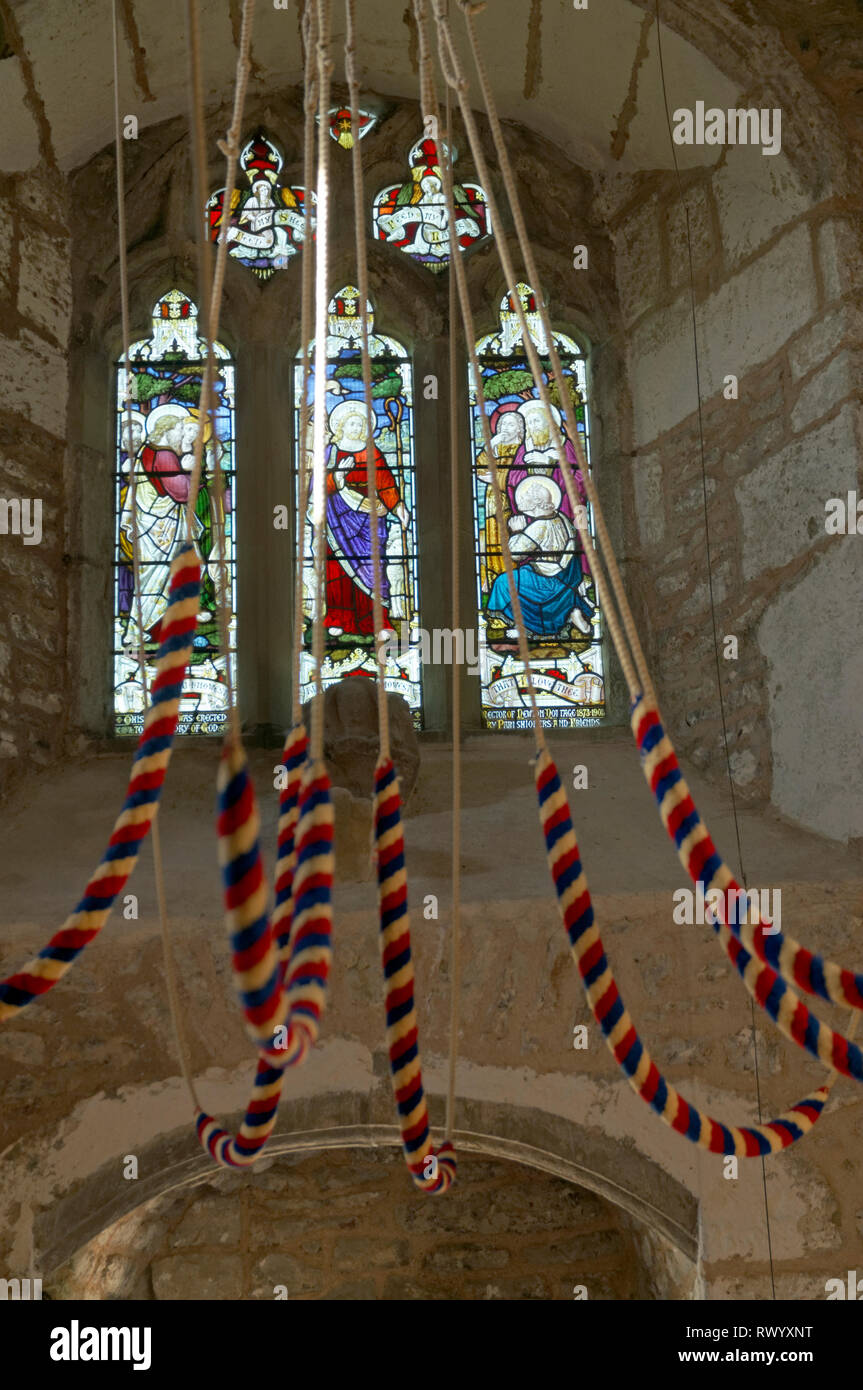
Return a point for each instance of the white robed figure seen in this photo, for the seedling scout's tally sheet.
(162, 481)
(548, 571)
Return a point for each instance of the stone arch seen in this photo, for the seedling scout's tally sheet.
(52, 1210)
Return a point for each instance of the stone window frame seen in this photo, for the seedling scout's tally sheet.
(411, 306)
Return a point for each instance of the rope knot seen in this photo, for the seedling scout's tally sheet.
(229, 147)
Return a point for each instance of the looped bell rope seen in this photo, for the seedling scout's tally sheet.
(433, 1170)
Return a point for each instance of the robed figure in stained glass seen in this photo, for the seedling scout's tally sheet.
(161, 492)
(351, 643)
(266, 222)
(537, 455)
(349, 576)
(413, 215)
(548, 564)
(156, 443)
(520, 492)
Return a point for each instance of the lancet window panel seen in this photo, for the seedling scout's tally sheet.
(556, 591)
(158, 442)
(349, 619)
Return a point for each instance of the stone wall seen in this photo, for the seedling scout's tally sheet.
(35, 306)
(349, 1225)
(778, 304)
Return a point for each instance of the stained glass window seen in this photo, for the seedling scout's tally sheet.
(267, 222)
(167, 371)
(339, 118)
(350, 638)
(413, 215)
(556, 591)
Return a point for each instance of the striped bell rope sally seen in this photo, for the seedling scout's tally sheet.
(149, 768)
(433, 1170)
(607, 1006)
(700, 858)
(282, 961)
(795, 963)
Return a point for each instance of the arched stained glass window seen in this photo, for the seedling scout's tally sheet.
(556, 591)
(413, 215)
(267, 221)
(167, 373)
(350, 639)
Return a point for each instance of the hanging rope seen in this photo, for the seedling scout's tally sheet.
(319, 503)
(629, 666)
(842, 985)
(450, 63)
(524, 246)
(433, 1169)
(153, 752)
(455, 581)
(150, 764)
(281, 963)
(431, 107)
(699, 857)
(283, 995)
(526, 250)
(296, 744)
(607, 1006)
(310, 107)
(158, 866)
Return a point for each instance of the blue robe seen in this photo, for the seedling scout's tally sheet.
(547, 600)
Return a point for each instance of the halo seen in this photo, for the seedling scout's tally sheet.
(528, 482)
(496, 417)
(536, 406)
(127, 417)
(161, 411)
(343, 409)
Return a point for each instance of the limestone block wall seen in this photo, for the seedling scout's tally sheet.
(35, 307)
(777, 275)
(349, 1225)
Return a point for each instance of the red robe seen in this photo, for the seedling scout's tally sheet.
(348, 606)
(165, 473)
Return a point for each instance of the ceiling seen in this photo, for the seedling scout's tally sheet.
(586, 79)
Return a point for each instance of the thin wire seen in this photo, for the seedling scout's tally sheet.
(713, 620)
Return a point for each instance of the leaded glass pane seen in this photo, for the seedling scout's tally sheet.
(413, 215)
(349, 622)
(339, 121)
(167, 371)
(267, 222)
(555, 588)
